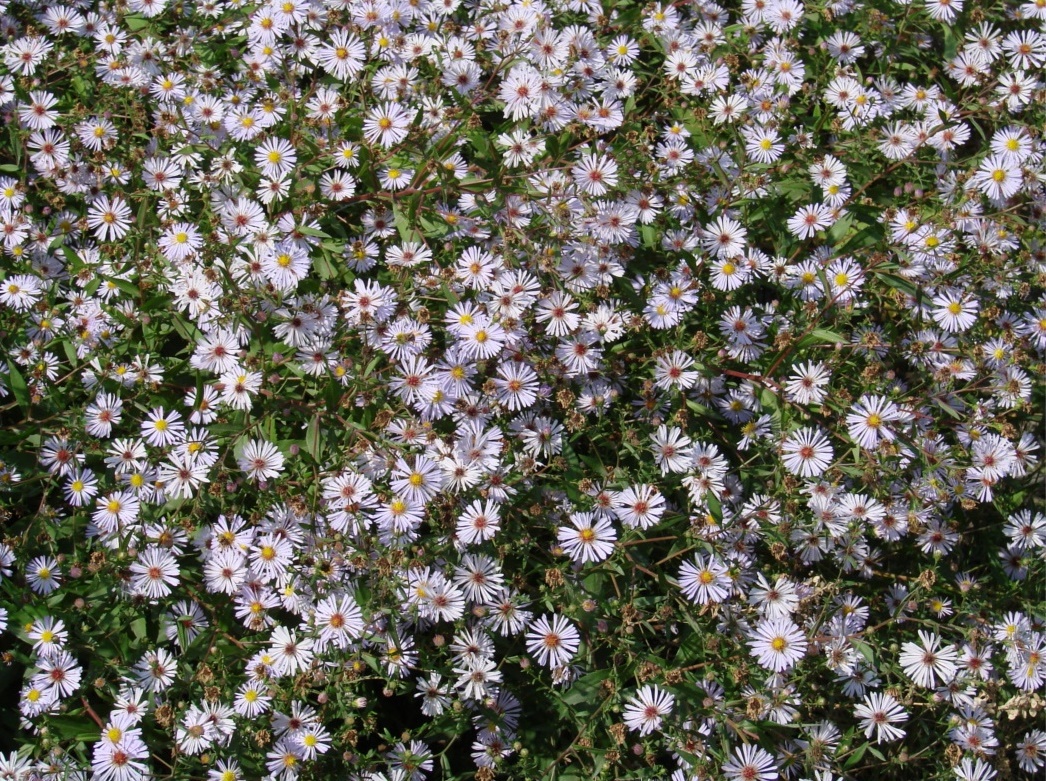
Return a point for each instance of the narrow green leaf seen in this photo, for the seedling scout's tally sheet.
(19, 387)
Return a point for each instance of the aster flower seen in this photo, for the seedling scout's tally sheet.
(928, 661)
(777, 644)
(807, 452)
(879, 713)
(109, 218)
(387, 125)
(43, 574)
(590, 539)
(261, 460)
(646, 710)
(705, 580)
(553, 643)
(155, 572)
(750, 763)
(868, 420)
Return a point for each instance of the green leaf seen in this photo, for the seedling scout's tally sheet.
(855, 758)
(19, 387)
(314, 232)
(313, 443)
(898, 283)
(951, 44)
(586, 688)
(324, 267)
(135, 23)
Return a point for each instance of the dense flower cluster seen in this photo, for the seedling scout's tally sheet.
(446, 388)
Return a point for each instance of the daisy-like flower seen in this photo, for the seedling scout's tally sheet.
(553, 644)
(275, 157)
(155, 572)
(109, 218)
(162, 429)
(750, 763)
(180, 241)
(559, 313)
(647, 708)
(955, 311)
(270, 556)
(286, 265)
(479, 522)
(867, 421)
(777, 644)
(290, 654)
(252, 699)
(261, 460)
(119, 761)
(155, 670)
(313, 739)
(479, 577)
(590, 539)
(997, 177)
(418, 483)
(1031, 751)
(43, 575)
(183, 474)
(725, 237)
(60, 671)
(705, 580)
(639, 506)
(845, 278)
(239, 386)
(20, 292)
(878, 714)
(343, 57)
(975, 769)
(763, 144)
(48, 634)
(516, 386)
(115, 510)
(595, 174)
(435, 696)
(807, 383)
(102, 414)
(928, 661)
(806, 452)
(39, 113)
(673, 370)
(338, 620)
(386, 125)
(672, 449)
(729, 274)
(810, 219)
